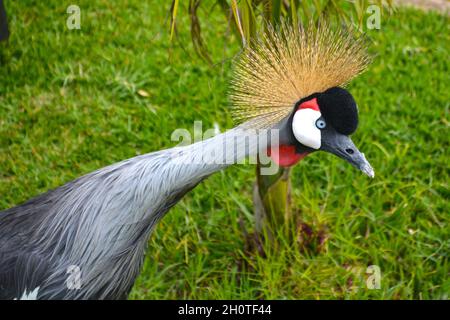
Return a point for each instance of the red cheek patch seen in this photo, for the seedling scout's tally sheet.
(310, 104)
(285, 156)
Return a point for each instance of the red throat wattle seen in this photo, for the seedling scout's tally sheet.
(285, 155)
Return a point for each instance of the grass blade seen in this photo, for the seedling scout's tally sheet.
(174, 11)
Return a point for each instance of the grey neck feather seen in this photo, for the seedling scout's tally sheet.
(101, 222)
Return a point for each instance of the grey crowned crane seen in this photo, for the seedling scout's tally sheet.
(289, 80)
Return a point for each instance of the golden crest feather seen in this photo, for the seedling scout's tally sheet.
(290, 63)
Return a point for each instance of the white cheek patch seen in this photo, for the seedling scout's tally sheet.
(304, 127)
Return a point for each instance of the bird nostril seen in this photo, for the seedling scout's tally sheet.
(349, 151)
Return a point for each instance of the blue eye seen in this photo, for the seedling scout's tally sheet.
(321, 124)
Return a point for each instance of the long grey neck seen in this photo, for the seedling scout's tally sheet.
(101, 222)
(206, 157)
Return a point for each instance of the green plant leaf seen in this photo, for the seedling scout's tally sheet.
(196, 36)
(173, 11)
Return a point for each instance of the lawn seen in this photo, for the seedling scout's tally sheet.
(72, 101)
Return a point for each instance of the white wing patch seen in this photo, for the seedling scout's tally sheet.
(32, 295)
(304, 128)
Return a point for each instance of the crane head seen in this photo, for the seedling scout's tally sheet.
(292, 78)
(322, 121)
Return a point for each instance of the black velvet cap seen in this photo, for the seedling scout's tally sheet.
(339, 109)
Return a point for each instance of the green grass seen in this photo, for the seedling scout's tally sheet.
(69, 104)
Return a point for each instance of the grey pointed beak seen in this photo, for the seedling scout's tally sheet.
(343, 147)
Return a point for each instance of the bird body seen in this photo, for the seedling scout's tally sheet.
(101, 222)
